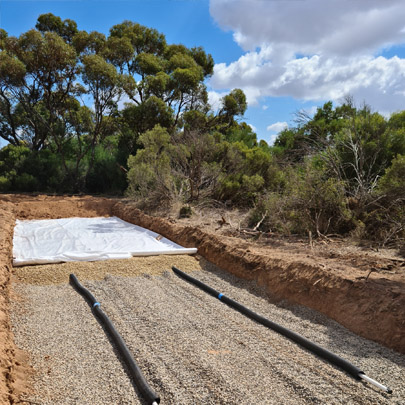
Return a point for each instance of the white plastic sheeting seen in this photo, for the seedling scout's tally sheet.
(86, 239)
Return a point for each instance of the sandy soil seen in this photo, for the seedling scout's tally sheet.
(362, 289)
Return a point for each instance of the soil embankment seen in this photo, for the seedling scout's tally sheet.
(14, 367)
(369, 306)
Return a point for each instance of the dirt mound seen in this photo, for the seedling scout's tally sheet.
(362, 291)
(43, 206)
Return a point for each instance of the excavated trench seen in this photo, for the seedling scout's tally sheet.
(370, 308)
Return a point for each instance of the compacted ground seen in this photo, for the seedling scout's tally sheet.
(191, 347)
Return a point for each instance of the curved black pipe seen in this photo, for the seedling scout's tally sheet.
(147, 392)
(302, 341)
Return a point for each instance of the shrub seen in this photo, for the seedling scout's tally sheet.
(26, 182)
(393, 181)
(106, 175)
(310, 201)
(385, 217)
(240, 189)
(185, 212)
(150, 176)
(5, 184)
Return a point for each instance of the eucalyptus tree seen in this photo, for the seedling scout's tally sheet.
(104, 86)
(66, 91)
(168, 79)
(37, 79)
(66, 29)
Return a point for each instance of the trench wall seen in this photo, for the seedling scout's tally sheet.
(369, 309)
(10, 357)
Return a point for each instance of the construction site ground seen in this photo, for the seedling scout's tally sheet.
(191, 347)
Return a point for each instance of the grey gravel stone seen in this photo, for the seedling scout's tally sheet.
(192, 348)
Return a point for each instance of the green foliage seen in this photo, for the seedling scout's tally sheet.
(12, 70)
(310, 201)
(98, 73)
(149, 176)
(355, 149)
(141, 118)
(49, 22)
(47, 56)
(27, 170)
(143, 39)
(5, 184)
(393, 181)
(26, 182)
(384, 220)
(247, 172)
(47, 72)
(12, 159)
(318, 203)
(241, 133)
(272, 212)
(3, 38)
(340, 171)
(45, 166)
(92, 43)
(185, 212)
(240, 189)
(106, 175)
(235, 103)
(396, 133)
(194, 165)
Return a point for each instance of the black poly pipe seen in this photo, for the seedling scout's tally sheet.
(122, 348)
(302, 341)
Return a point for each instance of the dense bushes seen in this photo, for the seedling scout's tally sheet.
(385, 217)
(24, 170)
(191, 166)
(355, 185)
(309, 201)
(343, 179)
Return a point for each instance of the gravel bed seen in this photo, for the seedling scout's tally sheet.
(47, 274)
(192, 348)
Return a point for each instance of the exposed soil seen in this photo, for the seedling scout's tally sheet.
(362, 289)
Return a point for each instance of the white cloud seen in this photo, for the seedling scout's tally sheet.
(314, 50)
(214, 99)
(254, 129)
(313, 26)
(265, 107)
(310, 111)
(277, 127)
(272, 139)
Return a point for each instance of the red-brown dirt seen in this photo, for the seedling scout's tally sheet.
(361, 289)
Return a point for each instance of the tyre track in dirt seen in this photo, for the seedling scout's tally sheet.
(191, 347)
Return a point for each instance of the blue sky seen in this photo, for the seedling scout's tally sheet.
(287, 55)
